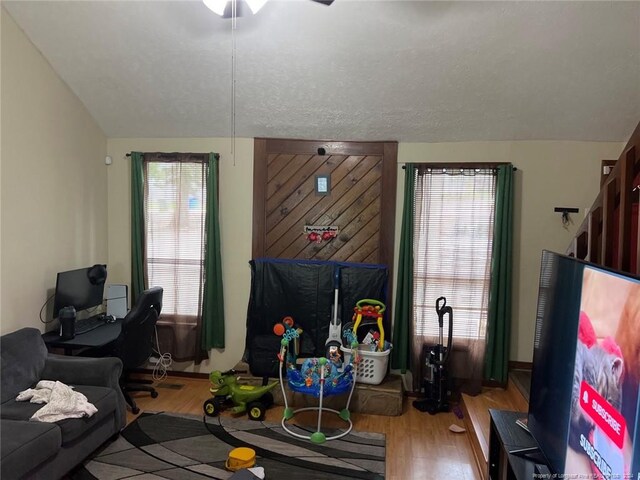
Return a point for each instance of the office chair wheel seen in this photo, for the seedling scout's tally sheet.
(154, 394)
(256, 411)
(135, 410)
(212, 407)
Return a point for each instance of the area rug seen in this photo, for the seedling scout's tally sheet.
(182, 447)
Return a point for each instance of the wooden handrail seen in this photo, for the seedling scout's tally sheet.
(598, 239)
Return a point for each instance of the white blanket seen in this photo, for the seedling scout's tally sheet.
(61, 402)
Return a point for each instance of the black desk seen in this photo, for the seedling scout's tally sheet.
(97, 337)
(504, 436)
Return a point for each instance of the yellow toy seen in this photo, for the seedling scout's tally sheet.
(372, 309)
(241, 457)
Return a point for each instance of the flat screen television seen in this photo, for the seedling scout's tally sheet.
(82, 288)
(584, 400)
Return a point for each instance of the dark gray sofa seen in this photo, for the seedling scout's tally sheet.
(31, 449)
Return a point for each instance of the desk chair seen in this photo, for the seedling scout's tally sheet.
(134, 346)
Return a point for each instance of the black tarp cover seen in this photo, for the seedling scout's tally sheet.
(304, 290)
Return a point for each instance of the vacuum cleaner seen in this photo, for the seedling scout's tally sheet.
(334, 341)
(436, 380)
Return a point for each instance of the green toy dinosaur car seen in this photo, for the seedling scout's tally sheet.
(245, 398)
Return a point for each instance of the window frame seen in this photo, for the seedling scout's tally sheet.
(428, 329)
(170, 318)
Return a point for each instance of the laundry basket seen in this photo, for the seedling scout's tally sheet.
(373, 365)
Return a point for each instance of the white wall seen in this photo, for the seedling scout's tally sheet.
(236, 207)
(550, 174)
(53, 182)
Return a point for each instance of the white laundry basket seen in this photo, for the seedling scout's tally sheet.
(373, 365)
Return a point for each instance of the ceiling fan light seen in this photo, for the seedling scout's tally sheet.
(216, 6)
(255, 5)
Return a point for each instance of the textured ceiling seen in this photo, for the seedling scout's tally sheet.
(374, 70)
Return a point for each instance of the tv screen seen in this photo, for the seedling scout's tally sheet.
(583, 407)
(82, 288)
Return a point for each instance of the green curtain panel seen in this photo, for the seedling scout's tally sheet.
(137, 226)
(213, 301)
(499, 316)
(400, 355)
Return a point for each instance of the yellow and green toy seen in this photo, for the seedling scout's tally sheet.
(245, 398)
(369, 308)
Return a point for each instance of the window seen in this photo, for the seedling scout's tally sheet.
(453, 239)
(453, 223)
(175, 199)
(170, 195)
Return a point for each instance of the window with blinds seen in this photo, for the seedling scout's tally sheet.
(453, 238)
(175, 199)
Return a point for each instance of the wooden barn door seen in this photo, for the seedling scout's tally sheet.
(361, 201)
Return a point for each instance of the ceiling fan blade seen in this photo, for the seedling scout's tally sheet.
(324, 2)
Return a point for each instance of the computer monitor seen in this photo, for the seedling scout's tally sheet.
(82, 288)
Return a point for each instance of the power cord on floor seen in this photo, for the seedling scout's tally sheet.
(163, 363)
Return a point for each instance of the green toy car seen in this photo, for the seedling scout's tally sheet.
(245, 398)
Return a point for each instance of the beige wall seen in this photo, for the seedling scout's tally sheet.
(53, 182)
(236, 206)
(57, 197)
(550, 174)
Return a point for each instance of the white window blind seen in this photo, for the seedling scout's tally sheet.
(453, 238)
(175, 199)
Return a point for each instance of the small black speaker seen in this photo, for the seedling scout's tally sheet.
(67, 317)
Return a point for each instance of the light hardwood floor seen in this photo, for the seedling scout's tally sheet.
(476, 419)
(419, 446)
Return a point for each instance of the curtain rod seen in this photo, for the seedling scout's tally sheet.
(467, 165)
(178, 153)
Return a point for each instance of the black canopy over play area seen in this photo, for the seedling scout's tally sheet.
(304, 290)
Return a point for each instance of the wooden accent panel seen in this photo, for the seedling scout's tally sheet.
(608, 212)
(637, 230)
(624, 226)
(594, 235)
(582, 246)
(333, 148)
(316, 210)
(298, 205)
(259, 194)
(611, 226)
(606, 166)
(388, 200)
(361, 200)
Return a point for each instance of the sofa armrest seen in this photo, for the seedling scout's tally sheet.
(103, 372)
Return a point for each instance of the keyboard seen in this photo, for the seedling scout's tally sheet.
(87, 324)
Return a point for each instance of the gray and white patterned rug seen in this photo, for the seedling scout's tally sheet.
(182, 447)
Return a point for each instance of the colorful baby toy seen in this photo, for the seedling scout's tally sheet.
(371, 309)
(246, 398)
(318, 377)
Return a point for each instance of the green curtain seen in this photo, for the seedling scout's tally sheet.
(499, 316)
(213, 301)
(137, 226)
(401, 353)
